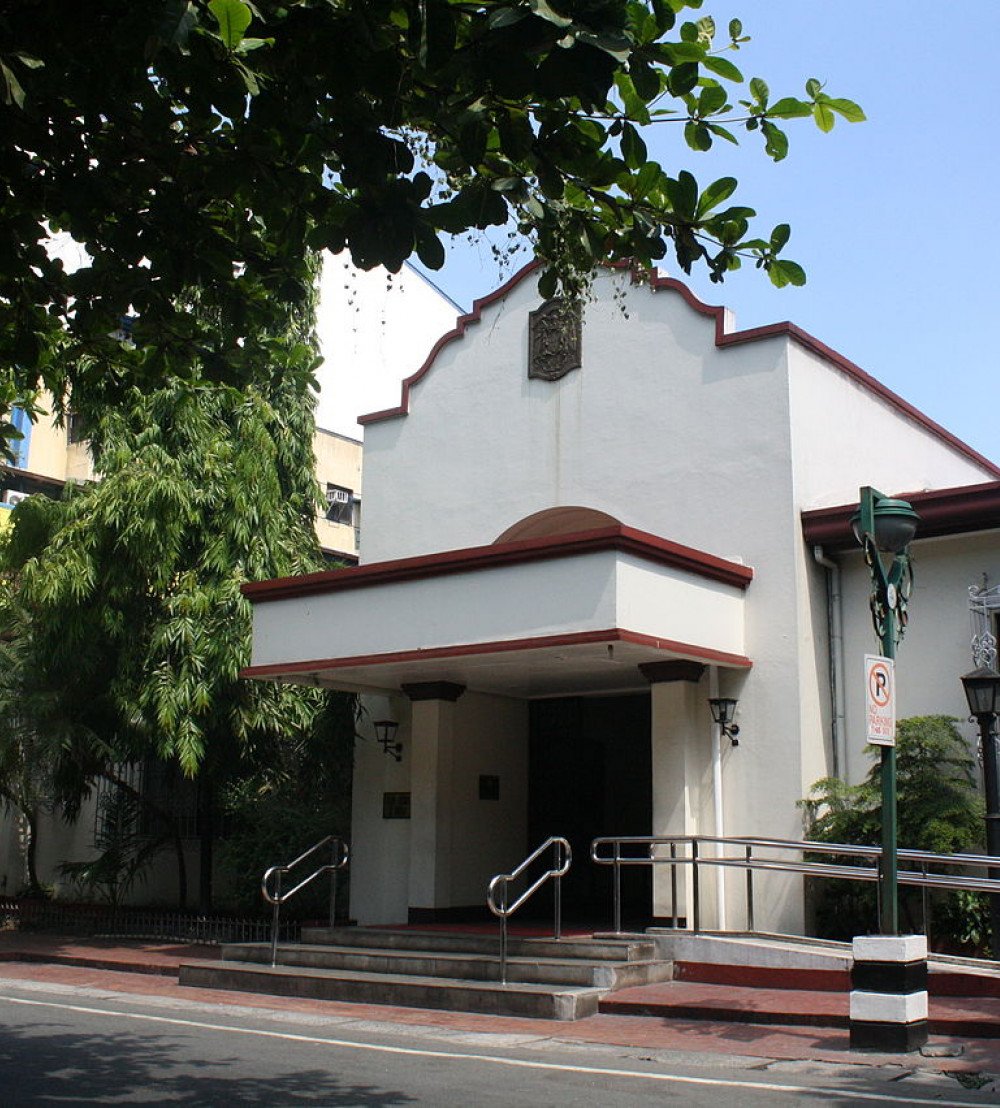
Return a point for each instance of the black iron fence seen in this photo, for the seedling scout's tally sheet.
(93, 920)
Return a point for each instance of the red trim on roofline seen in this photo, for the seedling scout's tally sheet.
(953, 511)
(457, 332)
(574, 638)
(619, 537)
(722, 339)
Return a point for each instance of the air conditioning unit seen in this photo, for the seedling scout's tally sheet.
(13, 497)
(337, 496)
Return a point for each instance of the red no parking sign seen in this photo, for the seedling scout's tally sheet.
(880, 700)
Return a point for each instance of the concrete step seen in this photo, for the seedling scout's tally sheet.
(456, 964)
(599, 948)
(410, 991)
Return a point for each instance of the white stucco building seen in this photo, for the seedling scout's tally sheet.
(557, 573)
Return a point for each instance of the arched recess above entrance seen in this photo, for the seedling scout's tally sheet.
(566, 520)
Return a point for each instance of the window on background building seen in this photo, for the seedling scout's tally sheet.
(74, 429)
(339, 504)
(22, 424)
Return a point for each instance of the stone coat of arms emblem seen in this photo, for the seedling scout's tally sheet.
(555, 339)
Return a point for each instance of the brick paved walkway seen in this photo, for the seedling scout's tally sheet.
(138, 968)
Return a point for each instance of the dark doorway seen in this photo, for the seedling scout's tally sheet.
(590, 775)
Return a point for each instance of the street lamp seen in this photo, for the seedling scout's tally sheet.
(982, 690)
(883, 525)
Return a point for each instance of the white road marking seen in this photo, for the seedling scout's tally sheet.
(515, 1063)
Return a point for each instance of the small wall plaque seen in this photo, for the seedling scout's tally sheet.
(395, 805)
(555, 339)
(489, 786)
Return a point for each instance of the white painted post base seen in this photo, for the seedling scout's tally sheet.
(889, 993)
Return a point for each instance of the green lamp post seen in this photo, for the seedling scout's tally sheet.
(883, 525)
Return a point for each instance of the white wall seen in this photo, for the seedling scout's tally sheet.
(658, 428)
(844, 436)
(374, 329)
(935, 651)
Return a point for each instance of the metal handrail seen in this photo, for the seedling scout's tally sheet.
(339, 855)
(562, 860)
(607, 851)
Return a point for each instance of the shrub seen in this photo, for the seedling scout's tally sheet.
(938, 809)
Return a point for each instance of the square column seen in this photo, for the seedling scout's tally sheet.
(682, 778)
(432, 739)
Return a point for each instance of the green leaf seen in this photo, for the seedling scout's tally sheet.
(722, 67)
(683, 78)
(813, 88)
(790, 108)
(646, 179)
(547, 284)
(784, 273)
(712, 100)
(13, 93)
(697, 135)
(715, 193)
(547, 12)
(248, 44)
(249, 79)
(824, 116)
(735, 29)
(759, 90)
(618, 46)
(683, 194)
(676, 53)
(430, 249)
(633, 148)
(848, 109)
(233, 17)
(723, 132)
(505, 17)
(645, 79)
(775, 140)
(780, 236)
(665, 17)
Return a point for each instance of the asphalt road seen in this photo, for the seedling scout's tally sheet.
(63, 1044)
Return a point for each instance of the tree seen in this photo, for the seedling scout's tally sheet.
(208, 145)
(124, 597)
(939, 809)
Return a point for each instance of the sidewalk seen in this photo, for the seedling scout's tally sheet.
(149, 968)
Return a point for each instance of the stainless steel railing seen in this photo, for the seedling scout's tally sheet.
(499, 890)
(685, 850)
(339, 855)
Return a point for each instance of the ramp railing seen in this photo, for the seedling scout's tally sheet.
(756, 854)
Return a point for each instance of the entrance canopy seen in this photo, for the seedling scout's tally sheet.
(551, 616)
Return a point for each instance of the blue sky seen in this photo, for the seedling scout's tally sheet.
(895, 220)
